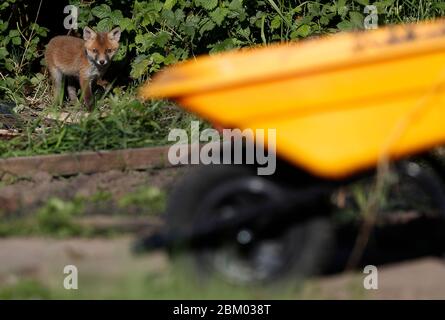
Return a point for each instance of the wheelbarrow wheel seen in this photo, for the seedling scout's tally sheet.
(249, 255)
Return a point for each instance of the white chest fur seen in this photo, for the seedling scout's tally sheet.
(96, 71)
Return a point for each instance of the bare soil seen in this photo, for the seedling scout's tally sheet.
(25, 195)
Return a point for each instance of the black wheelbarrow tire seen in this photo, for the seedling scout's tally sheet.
(302, 250)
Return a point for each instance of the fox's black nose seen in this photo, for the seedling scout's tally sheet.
(102, 62)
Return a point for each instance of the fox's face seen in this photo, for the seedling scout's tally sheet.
(101, 46)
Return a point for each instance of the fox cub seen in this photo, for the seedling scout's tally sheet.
(86, 59)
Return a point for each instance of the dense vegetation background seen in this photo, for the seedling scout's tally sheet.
(158, 33)
(155, 33)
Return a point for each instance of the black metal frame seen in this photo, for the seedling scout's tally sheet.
(214, 231)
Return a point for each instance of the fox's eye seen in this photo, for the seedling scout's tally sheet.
(109, 50)
(95, 50)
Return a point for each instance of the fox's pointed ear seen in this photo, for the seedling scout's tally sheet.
(88, 34)
(115, 34)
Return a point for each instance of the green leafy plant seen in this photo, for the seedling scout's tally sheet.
(156, 34)
(123, 122)
(159, 33)
(56, 217)
(20, 49)
(148, 197)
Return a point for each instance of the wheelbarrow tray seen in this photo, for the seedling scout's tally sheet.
(337, 102)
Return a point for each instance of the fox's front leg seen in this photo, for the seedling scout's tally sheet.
(71, 88)
(57, 77)
(85, 87)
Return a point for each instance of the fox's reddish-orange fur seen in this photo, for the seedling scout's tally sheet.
(86, 59)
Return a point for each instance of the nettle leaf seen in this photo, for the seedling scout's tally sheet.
(345, 25)
(237, 10)
(306, 19)
(139, 66)
(41, 31)
(4, 25)
(169, 4)
(171, 58)
(314, 9)
(207, 25)
(236, 5)
(105, 25)
(257, 19)
(126, 24)
(362, 2)
(357, 20)
(148, 11)
(296, 10)
(156, 5)
(190, 26)
(219, 14)
(180, 53)
(207, 4)
(4, 5)
(38, 78)
(244, 32)
(276, 22)
(189, 30)
(301, 32)
(149, 18)
(5, 41)
(9, 65)
(193, 19)
(16, 41)
(169, 17)
(328, 8)
(383, 4)
(116, 17)
(225, 45)
(145, 41)
(179, 15)
(14, 33)
(161, 38)
(342, 8)
(121, 53)
(3, 53)
(139, 39)
(101, 11)
(324, 20)
(157, 58)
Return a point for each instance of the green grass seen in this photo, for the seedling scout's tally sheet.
(173, 282)
(152, 199)
(55, 218)
(145, 285)
(25, 289)
(142, 286)
(120, 121)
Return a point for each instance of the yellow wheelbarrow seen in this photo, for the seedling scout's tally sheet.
(341, 106)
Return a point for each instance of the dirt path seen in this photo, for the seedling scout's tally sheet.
(107, 266)
(418, 279)
(104, 266)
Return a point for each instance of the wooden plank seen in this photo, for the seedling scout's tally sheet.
(86, 162)
(9, 132)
